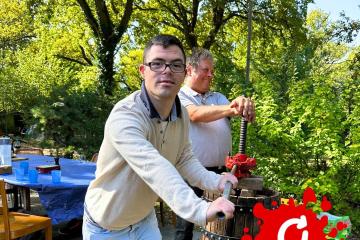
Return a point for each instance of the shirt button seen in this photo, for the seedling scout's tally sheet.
(159, 121)
(161, 131)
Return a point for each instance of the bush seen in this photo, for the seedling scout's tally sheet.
(72, 120)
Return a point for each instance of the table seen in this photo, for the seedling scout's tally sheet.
(63, 201)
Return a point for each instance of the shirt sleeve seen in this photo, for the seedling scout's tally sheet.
(195, 173)
(185, 98)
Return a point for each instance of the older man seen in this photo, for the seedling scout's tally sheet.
(209, 113)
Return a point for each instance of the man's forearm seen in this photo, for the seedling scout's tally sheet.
(209, 113)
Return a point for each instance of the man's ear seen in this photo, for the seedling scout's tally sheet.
(141, 70)
(189, 70)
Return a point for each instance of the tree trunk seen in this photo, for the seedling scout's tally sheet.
(107, 35)
(106, 67)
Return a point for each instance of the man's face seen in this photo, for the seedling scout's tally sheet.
(200, 78)
(165, 84)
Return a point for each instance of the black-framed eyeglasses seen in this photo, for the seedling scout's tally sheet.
(161, 66)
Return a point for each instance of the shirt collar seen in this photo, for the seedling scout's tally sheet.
(195, 94)
(175, 110)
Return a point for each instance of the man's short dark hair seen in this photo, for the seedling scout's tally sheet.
(197, 55)
(164, 40)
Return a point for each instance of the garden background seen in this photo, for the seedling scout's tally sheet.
(65, 63)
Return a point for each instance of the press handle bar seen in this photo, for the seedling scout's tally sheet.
(226, 193)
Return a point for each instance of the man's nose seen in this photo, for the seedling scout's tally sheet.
(167, 68)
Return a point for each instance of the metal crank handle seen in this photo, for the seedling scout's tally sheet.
(227, 189)
(226, 193)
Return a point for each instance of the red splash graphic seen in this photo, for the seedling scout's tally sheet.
(309, 196)
(333, 233)
(325, 204)
(246, 235)
(294, 222)
(340, 226)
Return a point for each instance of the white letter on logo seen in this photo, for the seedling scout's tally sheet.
(301, 223)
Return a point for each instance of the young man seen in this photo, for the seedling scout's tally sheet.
(146, 153)
(209, 113)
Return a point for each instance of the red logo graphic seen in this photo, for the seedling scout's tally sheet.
(291, 222)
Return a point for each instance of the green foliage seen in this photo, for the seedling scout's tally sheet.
(15, 24)
(72, 118)
(307, 98)
(129, 70)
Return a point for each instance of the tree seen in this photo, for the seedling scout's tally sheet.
(308, 138)
(107, 32)
(17, 31)
(16, 24)
(200, 22)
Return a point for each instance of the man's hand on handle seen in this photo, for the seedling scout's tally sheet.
(225, 178)
(220, 205)
(245, 107)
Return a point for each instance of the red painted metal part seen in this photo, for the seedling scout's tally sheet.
(243, 162)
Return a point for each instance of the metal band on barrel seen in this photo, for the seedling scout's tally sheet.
(214, 236)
